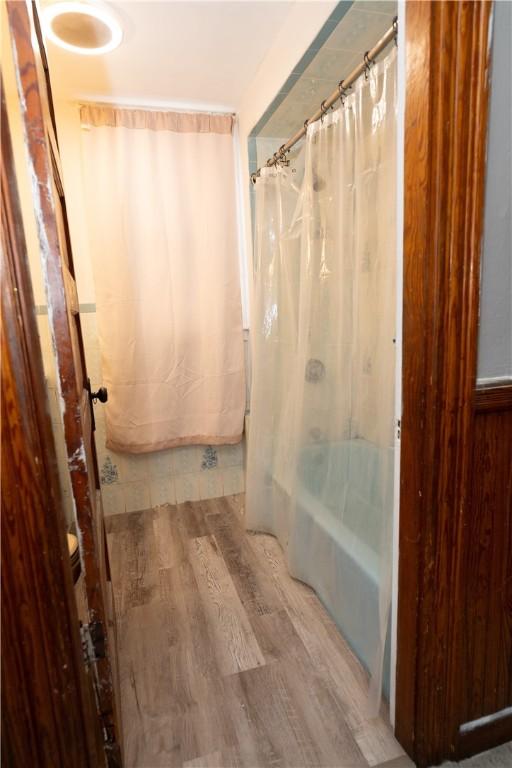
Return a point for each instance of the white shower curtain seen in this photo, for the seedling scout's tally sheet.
(321, 447)
(160, 190)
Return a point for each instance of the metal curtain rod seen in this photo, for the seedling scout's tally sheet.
(339, 93)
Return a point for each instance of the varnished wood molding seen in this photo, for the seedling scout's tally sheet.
(447, 60)
(48, 718)
(484, 736)
(497, 398)
(485, 658)
(44, 168)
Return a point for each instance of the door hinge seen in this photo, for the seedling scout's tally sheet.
(93, 641)
(398, 428)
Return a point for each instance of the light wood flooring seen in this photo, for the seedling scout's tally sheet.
(499, 757)
(225, 660)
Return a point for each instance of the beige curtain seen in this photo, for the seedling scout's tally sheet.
(160, 191)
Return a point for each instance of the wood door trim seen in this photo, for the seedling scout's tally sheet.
(486, 605)
(493, 398)
(47, 706)
(34, 101)
(484, 736)
(447, 55)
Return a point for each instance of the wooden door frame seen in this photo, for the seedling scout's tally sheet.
(447, 88)
(447, 56)
(48, 710)
(43, 162)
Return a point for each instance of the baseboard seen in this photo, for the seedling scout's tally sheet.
(484, 734)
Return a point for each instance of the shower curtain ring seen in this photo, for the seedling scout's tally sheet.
(323, 110)
(281, 159)
(306, 123)
(368, 64)
(342, 92)
(395, 27)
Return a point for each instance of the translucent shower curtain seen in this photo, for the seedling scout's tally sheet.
(321, 447)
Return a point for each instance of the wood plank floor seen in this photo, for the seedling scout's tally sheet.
(225, 660)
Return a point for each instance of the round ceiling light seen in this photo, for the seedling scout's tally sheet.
(81, 28)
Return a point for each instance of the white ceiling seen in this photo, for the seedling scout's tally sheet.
(190, 53)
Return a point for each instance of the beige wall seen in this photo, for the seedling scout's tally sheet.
(69, 131)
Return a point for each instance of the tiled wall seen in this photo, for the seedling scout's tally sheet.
(134, 482)
(353, 27)
(130, 483)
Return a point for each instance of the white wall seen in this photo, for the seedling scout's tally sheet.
(304, 21)
(69, 130)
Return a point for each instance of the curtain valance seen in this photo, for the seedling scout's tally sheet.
(98, 115)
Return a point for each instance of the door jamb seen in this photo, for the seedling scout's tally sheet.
(447, 65)
(48, 709)
(43, 161)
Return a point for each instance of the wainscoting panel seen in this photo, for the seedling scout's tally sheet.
(486, 663)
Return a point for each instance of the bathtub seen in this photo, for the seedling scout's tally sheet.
(335, 552)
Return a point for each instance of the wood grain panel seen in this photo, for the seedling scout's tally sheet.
(315, 698)
(447, 60)
(71, 292)
(304, 705)
(290, 722)
(213, 760)
(330, 655)
(236, 644)
(204, 718)
(486, 665)
(170, 544)
(252, 580)
(498, 398)
(191, 519)
(134, 560)
(48, 715)
(484, 737)
(35, 96)
(147, 703)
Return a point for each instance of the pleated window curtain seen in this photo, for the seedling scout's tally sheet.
(161, 209)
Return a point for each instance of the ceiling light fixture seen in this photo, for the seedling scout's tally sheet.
(81, 28)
